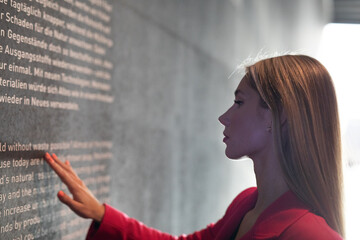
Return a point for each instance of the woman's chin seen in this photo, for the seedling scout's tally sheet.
(235, 156)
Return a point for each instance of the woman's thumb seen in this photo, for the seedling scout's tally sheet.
(62, 197)
(66, 199)
(74, 205)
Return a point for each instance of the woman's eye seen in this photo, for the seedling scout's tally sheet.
(238, 102)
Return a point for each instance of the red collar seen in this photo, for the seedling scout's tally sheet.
(281, 214)
(276, 218)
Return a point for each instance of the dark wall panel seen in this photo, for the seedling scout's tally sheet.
(55, 96)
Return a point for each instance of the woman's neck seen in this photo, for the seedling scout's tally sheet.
(270, 181)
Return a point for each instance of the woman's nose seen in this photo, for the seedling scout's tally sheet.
(224, 119)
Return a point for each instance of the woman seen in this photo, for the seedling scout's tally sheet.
(285, 119)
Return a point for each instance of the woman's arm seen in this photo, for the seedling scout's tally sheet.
(108, 223)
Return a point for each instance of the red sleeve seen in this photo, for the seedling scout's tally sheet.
(117, 225)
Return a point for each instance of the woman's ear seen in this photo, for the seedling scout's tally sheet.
(268, 120)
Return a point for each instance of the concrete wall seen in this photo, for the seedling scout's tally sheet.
(172, 62)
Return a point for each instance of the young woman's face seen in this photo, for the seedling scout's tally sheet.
(246, 124)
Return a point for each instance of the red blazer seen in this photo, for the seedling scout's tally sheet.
(286, 218)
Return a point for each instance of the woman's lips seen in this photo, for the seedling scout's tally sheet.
(225, 137)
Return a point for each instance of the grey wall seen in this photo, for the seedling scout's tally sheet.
(173, 59)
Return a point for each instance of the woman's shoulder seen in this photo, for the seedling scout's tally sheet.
(310, 226)
(246, 199)
(249, 192)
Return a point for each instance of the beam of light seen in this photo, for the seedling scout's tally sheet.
(339, 51)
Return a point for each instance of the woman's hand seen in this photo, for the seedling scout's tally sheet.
(84, 202)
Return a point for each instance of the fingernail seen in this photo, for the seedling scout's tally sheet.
(61, 193)
(67, 162)
(54, 156)
(47, 155)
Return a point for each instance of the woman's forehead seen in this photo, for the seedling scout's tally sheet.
(244, 89)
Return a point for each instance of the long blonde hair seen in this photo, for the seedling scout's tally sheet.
(309, 147)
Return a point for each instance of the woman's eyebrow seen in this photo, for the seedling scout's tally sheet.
(238, 91)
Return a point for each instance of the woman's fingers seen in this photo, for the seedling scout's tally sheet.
(60, 171)
(65, 165)
(57, 160)
(63, 170)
